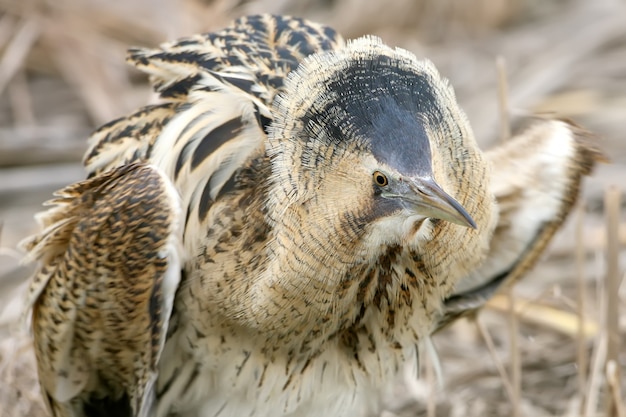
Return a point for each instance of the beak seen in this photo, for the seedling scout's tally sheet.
(428, 198)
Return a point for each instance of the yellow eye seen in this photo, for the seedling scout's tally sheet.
(380, 179)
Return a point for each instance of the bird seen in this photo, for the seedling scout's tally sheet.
(283, 229)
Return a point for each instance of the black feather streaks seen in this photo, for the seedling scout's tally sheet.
(214, 139)
(206, 201)
(263, 50)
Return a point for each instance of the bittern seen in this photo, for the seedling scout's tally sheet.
(278, 235)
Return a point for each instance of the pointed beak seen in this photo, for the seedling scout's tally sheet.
(426, 197)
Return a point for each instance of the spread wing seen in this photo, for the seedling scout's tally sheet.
(110, 264)
(536, 179)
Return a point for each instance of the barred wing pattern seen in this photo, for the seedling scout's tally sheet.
(111, 261)
(249, 59)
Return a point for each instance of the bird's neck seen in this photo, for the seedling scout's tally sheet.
(304, 286)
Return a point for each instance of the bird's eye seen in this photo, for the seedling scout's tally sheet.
(380, 179)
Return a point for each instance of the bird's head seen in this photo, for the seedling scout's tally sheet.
(370, 139)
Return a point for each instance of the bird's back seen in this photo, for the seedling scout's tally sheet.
(245, 63)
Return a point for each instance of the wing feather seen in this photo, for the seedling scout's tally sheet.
(536, 178)
(102, 297)
(254, 54)
(128, 139)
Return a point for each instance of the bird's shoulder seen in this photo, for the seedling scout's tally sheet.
(216, 93)
(254, 53)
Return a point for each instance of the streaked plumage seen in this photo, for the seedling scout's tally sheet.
(273, 238)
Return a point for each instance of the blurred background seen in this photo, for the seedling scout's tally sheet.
(62, 74)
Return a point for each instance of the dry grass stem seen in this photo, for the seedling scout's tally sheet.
(21, 100)
(503, 99)
(17, 51)
(612, 207)
(505, 134)
(581, 290)
(546, 316)
(504, 376)
(7, 29)
(615, 390)
(515, 358)
(594, 385)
